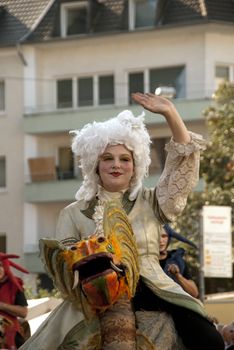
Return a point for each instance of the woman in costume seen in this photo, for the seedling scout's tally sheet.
(13, 303)
(114, 157)
(172, 261)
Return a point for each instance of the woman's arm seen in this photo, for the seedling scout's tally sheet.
(161, 105)
(181, 170)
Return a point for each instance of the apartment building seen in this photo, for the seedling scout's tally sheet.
(66, 63)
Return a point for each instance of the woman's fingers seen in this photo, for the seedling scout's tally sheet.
(149, 94)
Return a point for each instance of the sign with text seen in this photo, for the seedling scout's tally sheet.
(217, 241)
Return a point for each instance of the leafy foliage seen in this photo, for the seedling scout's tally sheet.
(40, 292)
(217, 163)
(217, 166)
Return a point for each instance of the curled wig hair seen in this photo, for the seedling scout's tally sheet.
(90, 142)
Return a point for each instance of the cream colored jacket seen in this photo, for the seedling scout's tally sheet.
(151, 208)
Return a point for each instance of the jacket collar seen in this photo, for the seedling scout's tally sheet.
(126, 203)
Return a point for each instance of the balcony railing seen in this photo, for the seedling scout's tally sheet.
(44, 169)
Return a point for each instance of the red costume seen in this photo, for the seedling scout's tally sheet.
(9, 287)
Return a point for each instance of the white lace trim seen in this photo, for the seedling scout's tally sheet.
(180, 175)
(103, 197)
(176, 149)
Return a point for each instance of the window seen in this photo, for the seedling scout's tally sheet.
(2, 96)
(64, 93)
(101, 86)
(158, 155)
(85, 91)
(150, 79)
(135, 84)
(106, 89)
(74, 18)
(170, 76)
(2, 172)
(88, 91)
(3, 242)
(223, 73)
(142, 13)
(65, 163)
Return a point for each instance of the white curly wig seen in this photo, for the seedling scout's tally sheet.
(90, 142)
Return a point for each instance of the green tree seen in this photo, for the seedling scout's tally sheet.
(217, 171)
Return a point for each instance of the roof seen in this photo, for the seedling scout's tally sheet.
(39, 20)
(180, 11)
(17, 17)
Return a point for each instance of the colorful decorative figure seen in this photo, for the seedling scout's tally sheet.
(100, 271)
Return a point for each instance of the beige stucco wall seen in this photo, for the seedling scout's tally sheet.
(42, 222)
(120, 54)
(194, 46)
(219, 51)
(223, 310)
(11, 145)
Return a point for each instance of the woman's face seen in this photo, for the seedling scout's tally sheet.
(116, 168)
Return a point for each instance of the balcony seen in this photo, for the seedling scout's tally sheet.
(64, 190)
(61, 190)
(59, 121)
(50, 183)
(51, 191)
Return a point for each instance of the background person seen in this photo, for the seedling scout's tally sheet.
(13, 303)
(227, 332)
(173, 262)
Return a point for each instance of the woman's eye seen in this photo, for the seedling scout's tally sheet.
(125, 159)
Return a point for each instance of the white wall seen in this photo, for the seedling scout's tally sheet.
(30, 227)
(39, 222)
(119, 54)
(197, 47)
(11, 145)
(219, 51)
(48, 145)
(48, 214)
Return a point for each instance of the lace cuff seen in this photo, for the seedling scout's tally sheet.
(176, 149)
(180, 175)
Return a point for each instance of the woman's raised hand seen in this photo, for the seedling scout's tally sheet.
(161, 105)
(153, 103)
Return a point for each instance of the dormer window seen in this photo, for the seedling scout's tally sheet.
(142, 13)
(74, 18)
